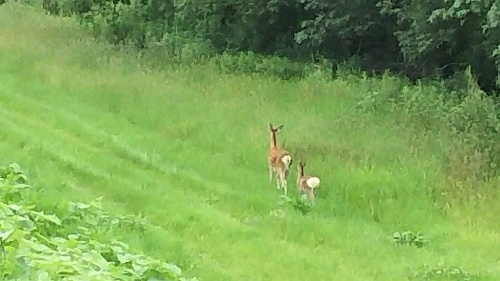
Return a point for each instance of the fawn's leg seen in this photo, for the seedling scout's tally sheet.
(311, 196)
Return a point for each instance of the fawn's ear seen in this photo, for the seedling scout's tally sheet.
(271, 127)
(280, 127)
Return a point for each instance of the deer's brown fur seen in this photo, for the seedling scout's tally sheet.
(279, 159)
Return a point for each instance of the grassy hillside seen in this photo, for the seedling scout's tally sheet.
(187, 147)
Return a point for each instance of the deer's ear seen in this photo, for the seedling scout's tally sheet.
(270, 126)
(281, 127)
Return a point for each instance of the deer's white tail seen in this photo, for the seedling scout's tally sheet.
(287, 159)
(313, 182)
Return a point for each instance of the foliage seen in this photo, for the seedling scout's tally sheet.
(253, 63)
(299, 204)
(431, 39)
(409, 238)
(443, 273)
(445, 36)
(40, 246)
(470, 117)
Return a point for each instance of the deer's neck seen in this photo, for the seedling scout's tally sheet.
(273, 140)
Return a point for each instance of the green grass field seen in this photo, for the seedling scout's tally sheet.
(187, 147)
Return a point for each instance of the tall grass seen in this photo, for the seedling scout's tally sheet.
(186, 146)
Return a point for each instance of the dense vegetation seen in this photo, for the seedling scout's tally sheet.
(40, 246)
(418, 38)
(175, 132)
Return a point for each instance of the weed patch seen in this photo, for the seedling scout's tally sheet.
(443, 273)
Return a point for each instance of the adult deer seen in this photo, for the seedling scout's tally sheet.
(279, 160)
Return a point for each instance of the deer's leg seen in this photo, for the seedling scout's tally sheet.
(270, 172)
(283, 181)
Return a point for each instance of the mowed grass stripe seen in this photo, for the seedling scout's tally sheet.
(85, 161)
(125, 191)
(124, 158)
(90, 134)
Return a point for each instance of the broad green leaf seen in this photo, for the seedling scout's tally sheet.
(52, 218)
(139, 269)
(43, 275)
(172, 268)
(15, 207)
(6, 234)
(25, 224)
(82, 206)
(125, 257)
(16, 168)
(21, 186)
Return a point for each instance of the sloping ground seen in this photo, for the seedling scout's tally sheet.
(187, 148)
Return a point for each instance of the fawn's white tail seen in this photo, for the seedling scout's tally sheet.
(313, 182)
(305, 183)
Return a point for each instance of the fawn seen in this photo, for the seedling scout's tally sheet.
(306, 184)
(279, 160)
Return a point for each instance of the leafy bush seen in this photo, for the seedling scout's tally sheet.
(39, 246)
(470, 118)
(253, 63)
(435, 39)
(419, 41)
(299, 204)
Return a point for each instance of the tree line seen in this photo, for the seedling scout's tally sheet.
(420, 39)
